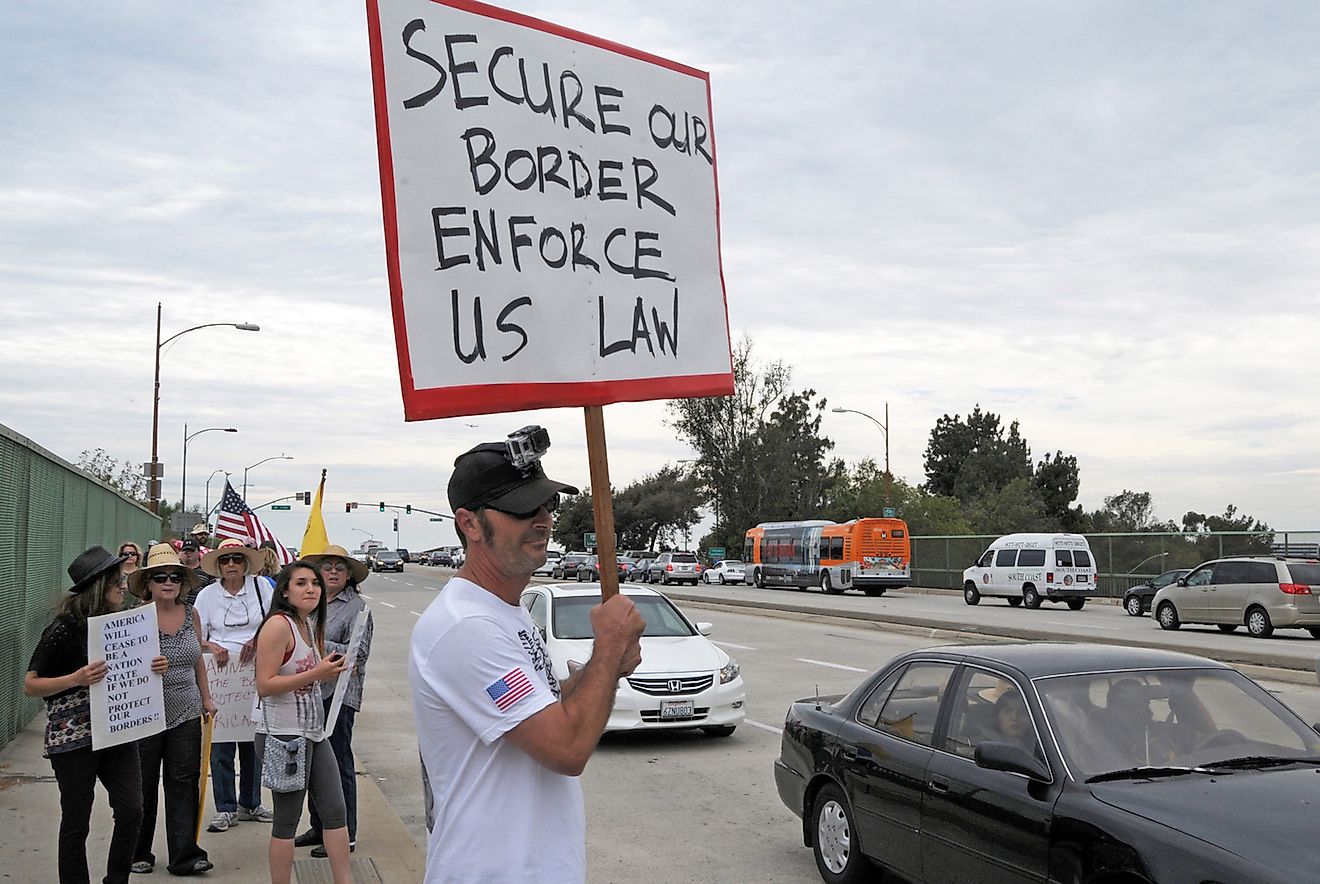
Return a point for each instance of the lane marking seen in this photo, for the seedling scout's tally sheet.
(832, 665)
(1078, 625)
(414, 613)
(764, 727)
(732, 645)
(388, 605)
(365, 596)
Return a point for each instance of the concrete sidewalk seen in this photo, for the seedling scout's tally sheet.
(30, 808)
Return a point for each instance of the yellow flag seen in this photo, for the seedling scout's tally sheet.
(314, 539)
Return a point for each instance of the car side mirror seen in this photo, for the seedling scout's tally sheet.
(1182, 581)
(704, 628)
(992, 755)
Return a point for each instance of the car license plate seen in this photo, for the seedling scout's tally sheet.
(676, 709)
(1082, 578)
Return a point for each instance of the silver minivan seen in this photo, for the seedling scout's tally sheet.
(1262, 592)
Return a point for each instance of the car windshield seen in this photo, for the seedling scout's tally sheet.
(573, 616)
(1116, 721)
(387, 556)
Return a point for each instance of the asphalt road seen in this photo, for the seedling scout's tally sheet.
(685, 807)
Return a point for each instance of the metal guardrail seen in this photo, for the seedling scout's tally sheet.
(1122, 559)
(49, 512)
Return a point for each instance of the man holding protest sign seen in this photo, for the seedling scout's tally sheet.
(498, 730)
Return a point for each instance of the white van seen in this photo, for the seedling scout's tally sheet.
(1027, 569)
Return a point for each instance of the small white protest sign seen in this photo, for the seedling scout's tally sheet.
(232, 689)
(129, 703)
(351, 654)
(551, 214)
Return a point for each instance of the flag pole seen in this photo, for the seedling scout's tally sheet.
(208, 722)
(602, 502)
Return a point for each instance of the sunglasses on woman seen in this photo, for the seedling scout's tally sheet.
(167, 578)
(549, 506)
(128, 552)
(231, 559)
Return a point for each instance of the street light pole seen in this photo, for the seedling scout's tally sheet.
(208, 495)
(183, 499)
(153, 483)
(1145, 560)
(884, 429)
(257, 464)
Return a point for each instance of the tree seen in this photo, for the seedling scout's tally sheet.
(113, 472)
(974, 458)
(1057, 480)
(1015, 507)
(1127, 511)
(662, 505)
(1237, 535)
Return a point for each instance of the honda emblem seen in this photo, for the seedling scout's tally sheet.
(675, 685)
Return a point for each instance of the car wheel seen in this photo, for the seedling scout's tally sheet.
(1167, 616)
(705, 578)
(826, 585)
(719, 578)
(664, 579)
(1132, 604)
(722, 730)
(1258, 623)
(1030, 597)
(874, 591)
(1076, 604)
(970, 594)
(758, 579)
(835, 844)
(1314, 630)
(1227, 627)
(1015, 601)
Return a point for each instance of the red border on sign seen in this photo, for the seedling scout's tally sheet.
(438, 402)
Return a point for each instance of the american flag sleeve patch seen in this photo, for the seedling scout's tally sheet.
(509, 689)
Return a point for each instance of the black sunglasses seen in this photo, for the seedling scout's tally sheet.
(231, 558)
(167, 578)
(549, 506)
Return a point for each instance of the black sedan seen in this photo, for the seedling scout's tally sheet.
(1136, 601)
(1075, 764)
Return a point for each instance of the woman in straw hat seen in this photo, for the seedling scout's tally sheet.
(60, 673)
(291, 663)
(229, 611)
(165, 581)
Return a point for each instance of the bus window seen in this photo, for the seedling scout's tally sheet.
(836, 548)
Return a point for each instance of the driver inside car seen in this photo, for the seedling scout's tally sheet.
(1132, 725)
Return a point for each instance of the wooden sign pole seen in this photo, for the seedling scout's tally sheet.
(602, 502)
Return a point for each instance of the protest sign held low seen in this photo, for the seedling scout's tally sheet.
(129, 703)
(351, 655)
(232, 690)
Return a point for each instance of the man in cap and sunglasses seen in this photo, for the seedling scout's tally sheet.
(342, 575)
(190, 556)
(498, 731)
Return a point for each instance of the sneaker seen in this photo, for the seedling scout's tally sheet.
(260, 813)
(223, 820)
(310, 838)
(142, 867)
(321, 853)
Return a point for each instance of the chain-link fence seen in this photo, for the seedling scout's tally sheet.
(1121, 560)
(49, 512)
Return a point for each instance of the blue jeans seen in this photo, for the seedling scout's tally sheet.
(341, 740)
(222, 776)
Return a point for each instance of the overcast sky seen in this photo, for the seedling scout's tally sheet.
(1099, 219)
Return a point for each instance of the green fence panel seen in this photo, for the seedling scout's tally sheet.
(49, 512)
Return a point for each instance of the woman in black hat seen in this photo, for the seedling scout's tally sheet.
(60, 673)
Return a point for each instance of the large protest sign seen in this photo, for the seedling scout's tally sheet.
(232, 689)
(350, 654)
(129, 703)
(551, 214)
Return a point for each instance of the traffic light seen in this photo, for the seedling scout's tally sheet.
(408, 509)
(382, 506)
(396, 524)
(307, 498)
(348, 507)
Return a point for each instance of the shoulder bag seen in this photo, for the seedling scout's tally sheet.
(283, 761)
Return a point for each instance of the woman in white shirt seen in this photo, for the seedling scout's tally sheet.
(290, 668)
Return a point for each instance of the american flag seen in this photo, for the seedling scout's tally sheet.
(235, 519)
(510, 689)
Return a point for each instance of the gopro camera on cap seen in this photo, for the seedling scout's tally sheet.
(527, 445)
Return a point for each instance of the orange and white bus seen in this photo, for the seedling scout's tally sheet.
(867, 554)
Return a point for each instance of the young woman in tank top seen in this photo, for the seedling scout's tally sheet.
(289, 670)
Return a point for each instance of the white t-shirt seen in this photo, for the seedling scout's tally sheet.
(233, 620)
(478, 669)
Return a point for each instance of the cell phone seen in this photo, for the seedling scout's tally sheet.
(335, 657)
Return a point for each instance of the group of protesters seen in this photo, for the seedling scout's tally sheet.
(293, 624)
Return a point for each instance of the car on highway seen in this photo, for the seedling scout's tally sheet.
(386, 560)
(727, 571)
(566, 567)
(1027, 569)
(361, 555)
(641, 574)
(684, 680)
(440, 557)
(1263, 592)
(1053, 762)
(1136, 601)
(590, 569)
(404, 554)
(674, 567)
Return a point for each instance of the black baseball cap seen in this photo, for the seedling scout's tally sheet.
(484, 476)
(190, 546)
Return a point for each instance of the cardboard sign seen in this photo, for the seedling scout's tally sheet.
(232, 690)
(129, 703)
(350, 654)
(551, 214)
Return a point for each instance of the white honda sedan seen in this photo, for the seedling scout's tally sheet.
(684, 680)
(727, 571)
